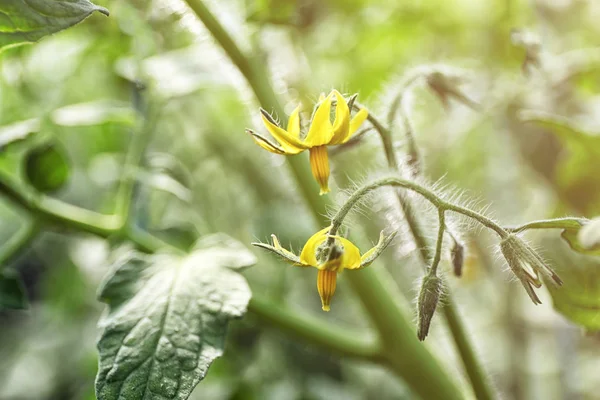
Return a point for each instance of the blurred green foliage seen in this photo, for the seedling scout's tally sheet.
(203, 175)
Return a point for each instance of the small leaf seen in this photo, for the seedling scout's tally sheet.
(12, 292)
(167, 319)
(46, 168)
(573, 236)
(27, 21)
(589, 235)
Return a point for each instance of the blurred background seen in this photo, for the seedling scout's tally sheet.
(203, 174)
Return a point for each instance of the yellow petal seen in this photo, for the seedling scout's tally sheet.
(265, 143)
(356, 122)
(326, 283)
(321, 130)
(350, 256)
(289, 143)
(341, 124)
(294, 123)
(308, 254)
(319, 165)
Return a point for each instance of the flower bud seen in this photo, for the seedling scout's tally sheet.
(526, 264)
(428, 300)
(457, 255)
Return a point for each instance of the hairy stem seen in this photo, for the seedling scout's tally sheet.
(440, 241)
(436, 200)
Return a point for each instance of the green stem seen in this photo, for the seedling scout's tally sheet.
(51, 210)
(314, 331)
(477, 376)
(403, 352)
(18, 242)
(436, 200)
(133, 158)
(440, 240)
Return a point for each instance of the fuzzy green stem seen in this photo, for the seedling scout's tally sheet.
(436, 200)
(396, 103)
(440, 240)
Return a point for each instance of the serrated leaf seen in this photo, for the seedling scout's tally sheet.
(167, 319)
(12, 291)
(27, 21)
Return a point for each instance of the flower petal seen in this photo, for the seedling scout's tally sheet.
(294, 123)
(308, 254)
(356, 122)
(341, 124)
(326, 283)
(321, 130)
(319, 165)
(289, 143)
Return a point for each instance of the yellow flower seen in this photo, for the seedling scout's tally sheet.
(321, 133)
(330, 258)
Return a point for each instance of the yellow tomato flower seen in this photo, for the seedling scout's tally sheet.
(329, 259)
(321, 133)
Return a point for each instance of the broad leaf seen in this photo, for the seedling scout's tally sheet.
(12, 292)
(26, 21)
(167, 319)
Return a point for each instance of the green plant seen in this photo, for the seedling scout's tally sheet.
(169, 306)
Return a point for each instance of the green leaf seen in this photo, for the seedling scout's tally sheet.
(167, 319)
(578, 299)
(576, 174)
(589, 235)
(12, 292)
(27, 21)
(584, 238)
(47, 168)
